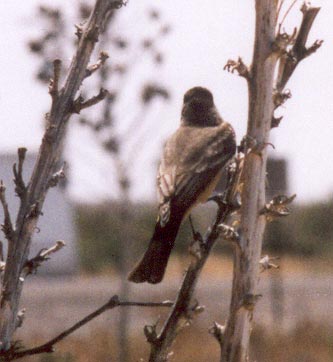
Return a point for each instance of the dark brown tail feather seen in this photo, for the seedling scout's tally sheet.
(151, 267)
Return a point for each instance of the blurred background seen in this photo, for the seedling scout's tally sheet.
(105, 210)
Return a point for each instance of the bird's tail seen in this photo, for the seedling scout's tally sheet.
(151, 267)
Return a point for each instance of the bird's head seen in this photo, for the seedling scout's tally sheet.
(199, 109)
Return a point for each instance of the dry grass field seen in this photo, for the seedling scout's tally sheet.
(294, 318)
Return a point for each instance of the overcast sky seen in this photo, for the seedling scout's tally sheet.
(205, 34)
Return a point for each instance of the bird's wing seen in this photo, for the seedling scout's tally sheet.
(192, 158)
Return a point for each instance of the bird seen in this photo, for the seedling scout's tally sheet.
(190, 168)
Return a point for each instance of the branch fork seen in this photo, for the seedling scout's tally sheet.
(298, 51)
(103, 56)
(313, 48)
(284, 40)
(43, 255)
(80, 103)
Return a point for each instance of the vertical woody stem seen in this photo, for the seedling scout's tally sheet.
(246, 258)
(49, 153)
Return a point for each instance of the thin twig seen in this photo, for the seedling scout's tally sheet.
(20, 187)
(80, 103)
(48, 347)
(279, 9)
(286, 13)
(298, 51)
(7, 226)
(103, 56)
(43, 255)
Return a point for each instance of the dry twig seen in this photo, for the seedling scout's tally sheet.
(103, 56)
(7, 226)
(15, 353)
(20, 187)
(43, 255)
(298, 51)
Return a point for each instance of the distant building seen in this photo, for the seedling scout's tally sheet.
(276, 180)
(56, 223)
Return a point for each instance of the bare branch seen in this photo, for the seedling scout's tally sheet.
(32, 265)
(103, 56)
(283, 41)
(298, 52)
(49, 153)
(166, 303)
(251, 225)
(7, 226)
(80, 103)
(20, 187)
(269, 49)
(286, 13)
(48, 347)
(43, 255)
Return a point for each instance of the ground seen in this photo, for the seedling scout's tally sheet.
(300, 293)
